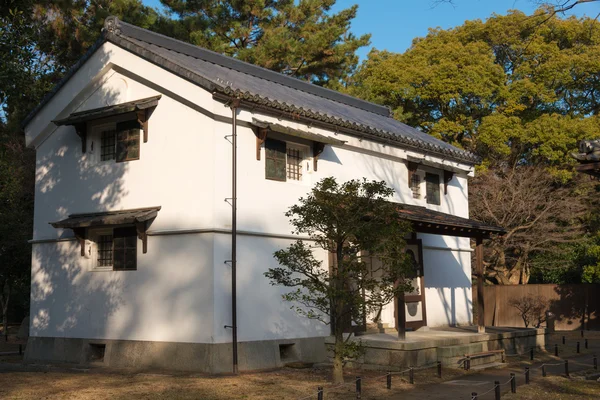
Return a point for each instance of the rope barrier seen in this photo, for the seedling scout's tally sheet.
(307, 397)
(484, 393)
(579, 361)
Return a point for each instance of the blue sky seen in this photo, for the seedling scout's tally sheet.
(394, 23)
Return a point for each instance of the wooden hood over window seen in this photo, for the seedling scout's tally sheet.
(319, 141)
(141, 218)
(425, 220)
(142, 108)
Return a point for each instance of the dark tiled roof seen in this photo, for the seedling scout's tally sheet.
(226, 75)
(430, 221)
(108, 218)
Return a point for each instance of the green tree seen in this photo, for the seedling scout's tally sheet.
(355, 222)
(69, 27)
(298, 38)
(521, 91)
(508, 88)
(24, 77)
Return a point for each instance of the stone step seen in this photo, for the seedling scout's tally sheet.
(487, 366)
(460, 350)
(475, 359)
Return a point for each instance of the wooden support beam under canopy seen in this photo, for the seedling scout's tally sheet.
(140, 218)
(318, 141)
(141, 110)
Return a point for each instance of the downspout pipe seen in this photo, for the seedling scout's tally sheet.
(234, 107)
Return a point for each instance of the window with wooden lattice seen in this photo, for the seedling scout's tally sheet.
(284, 161)
(116, 249)
(432, 183)
(122, 143)
(415, 185)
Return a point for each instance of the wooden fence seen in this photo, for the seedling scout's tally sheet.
(573, 305)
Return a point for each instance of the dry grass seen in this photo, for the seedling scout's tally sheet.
(557, 388)
(286, 383)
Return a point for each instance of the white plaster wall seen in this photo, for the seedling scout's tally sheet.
(174, 170)
(447, 280)
(262, 313)
(185, 167)
(168, 298)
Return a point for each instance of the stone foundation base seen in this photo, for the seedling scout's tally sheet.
(386, 352)
(196, 357)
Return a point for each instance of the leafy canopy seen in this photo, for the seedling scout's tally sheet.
(513, 89)
(355, 222)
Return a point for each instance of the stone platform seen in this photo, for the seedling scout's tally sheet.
(449, 345)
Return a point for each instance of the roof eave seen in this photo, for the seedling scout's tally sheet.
(297, 113)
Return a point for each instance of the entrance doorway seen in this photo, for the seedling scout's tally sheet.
(413, 302)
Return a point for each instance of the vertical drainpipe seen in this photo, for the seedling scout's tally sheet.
(234, 106)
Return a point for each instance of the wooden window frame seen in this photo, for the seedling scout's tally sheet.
(118, 125)
(106, 135)
(429, 184)
(96, 234)
(270, 144)
(304, 152)
(415, 185)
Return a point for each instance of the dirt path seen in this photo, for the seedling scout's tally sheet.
(483, 382)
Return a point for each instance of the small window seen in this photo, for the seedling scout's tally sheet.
(121, 144)
(107, 145)
(105, 251)
(128, 141)
(125, 249)
(295, 156)
(415, 185)
(284, 160)
(117, 250)
(433, 188)
(275, 159)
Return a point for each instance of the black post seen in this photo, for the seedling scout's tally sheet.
(497, 394)
(567, 367)
(544, 371)
(234, 104)
(320, 393)
(473, 395)
(595, 362)
(582, 327)
(358, 387)
(564, 339)
(513, 383)
(577, 347)
(389, 380)
(526, 375)
(585, 343)
(556, 350)
(411, 376)
(439, 369)
(531, 354)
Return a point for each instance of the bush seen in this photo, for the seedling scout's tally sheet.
(532, 309)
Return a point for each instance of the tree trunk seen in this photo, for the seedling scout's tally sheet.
(4, 297)
(338, 359)
(338, 353)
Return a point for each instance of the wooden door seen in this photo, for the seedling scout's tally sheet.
(414, 301)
